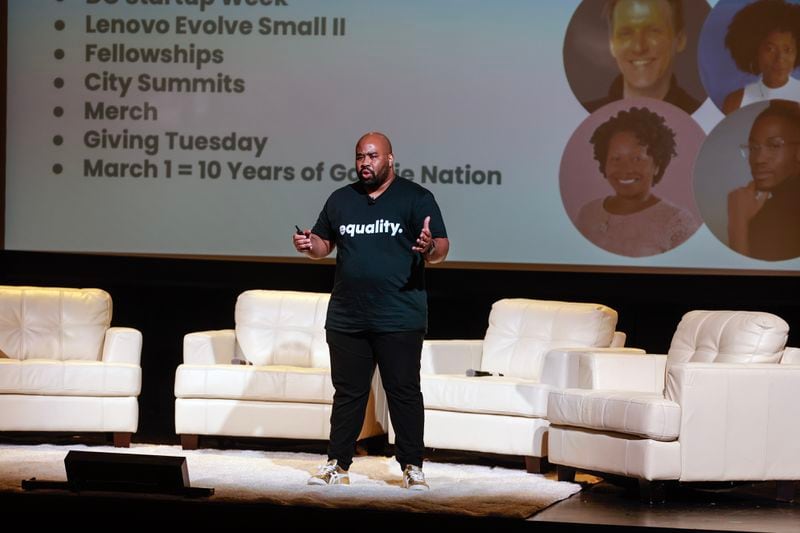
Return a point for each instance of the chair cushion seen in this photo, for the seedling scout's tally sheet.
(522, 331)
(69, 378)
(728, 337)
(53, 323)
(283, 328)
(267, 383)
(644, 414)
(490, 394)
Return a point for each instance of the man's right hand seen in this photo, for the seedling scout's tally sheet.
(302, 241)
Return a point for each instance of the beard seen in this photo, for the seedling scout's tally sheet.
(374, 180)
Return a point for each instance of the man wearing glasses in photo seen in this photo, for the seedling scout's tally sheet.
(764, 215)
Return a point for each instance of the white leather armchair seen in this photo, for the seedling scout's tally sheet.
(283, 391)
(534, 344)
(727, 410)
(63, 368)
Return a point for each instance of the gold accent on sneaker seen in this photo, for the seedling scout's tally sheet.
(330, 474)
(414, 479)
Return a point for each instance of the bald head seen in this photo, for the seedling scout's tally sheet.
(378, 137)
(374, 161)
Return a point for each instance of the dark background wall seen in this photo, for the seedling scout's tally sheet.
(167, 298)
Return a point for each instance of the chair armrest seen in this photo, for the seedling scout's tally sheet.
(451, 356)
(209, 347)
(561, 365)
(122, 345)
(791, 356)
(611, 369)
(738, 421)
(618, 340)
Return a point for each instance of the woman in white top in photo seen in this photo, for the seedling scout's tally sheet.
(762, 39)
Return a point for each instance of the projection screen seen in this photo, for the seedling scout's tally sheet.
(212, 127)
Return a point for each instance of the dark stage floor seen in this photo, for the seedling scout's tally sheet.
(742, 508)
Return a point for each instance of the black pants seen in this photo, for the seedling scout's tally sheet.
(353, 359)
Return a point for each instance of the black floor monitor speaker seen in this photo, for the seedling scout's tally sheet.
(129, 472)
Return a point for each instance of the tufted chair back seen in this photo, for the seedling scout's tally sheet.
(728, 337)
(283, 328)
(522, 331)
(53, 323)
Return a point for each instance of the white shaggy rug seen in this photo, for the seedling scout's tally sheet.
(280, 478)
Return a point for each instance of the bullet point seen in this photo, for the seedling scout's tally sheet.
(58, 111)
(57, 169)
(58, 82)
(59, 53)
(57, 140)
(59, 25)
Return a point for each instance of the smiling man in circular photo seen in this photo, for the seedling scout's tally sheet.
(616, 49)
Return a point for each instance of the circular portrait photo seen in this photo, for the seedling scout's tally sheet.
(747, 180)
(615, 49)
(626, 177)
(748, 52)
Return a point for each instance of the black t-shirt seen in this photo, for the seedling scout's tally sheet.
(676, 95)
(380, 282)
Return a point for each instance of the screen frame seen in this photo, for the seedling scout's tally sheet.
(468, 265)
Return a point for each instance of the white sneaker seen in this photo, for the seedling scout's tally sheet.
(414, 479)
(330, 474)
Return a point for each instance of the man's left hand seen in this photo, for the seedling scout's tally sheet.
(425, 240)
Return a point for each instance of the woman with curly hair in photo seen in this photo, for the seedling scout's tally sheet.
(634, 149)
(762, 39)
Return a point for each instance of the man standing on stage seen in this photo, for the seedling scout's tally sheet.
(386, 228)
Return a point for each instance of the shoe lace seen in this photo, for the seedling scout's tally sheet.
(415, 475)
(327, 469)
